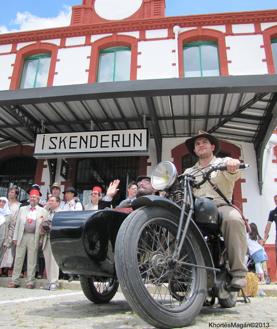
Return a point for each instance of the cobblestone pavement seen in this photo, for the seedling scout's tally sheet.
(69, 309)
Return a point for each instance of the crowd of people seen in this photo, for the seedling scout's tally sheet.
(25, 226)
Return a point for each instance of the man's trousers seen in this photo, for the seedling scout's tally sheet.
(27, 244)
(52, 268)
(234, 234)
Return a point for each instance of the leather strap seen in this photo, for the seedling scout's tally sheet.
(219, 192)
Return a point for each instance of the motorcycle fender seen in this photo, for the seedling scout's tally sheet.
(157, 201)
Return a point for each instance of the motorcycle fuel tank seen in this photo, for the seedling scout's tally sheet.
(206, 215)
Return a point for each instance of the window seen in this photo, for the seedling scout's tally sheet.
(201, 59)
(101, 171)
(114, 64)
(35, 71)
(274, 52)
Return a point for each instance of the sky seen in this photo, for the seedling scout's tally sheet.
(22, 15)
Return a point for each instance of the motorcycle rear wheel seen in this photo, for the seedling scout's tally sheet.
(163, 292)
(99, 290)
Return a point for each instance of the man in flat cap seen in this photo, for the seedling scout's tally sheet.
(144, 186)
(205, 147)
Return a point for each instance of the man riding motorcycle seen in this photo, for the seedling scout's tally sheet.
(205, 147)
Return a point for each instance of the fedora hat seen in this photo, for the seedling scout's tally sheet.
(70, 189)
(56, 185)
(213, 140)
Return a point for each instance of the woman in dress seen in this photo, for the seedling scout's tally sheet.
(4, 227)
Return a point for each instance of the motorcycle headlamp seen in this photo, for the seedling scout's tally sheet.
(163, 175)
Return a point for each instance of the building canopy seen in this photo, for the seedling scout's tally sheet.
(241, 108)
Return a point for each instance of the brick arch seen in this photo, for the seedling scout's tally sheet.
(30, 50)
(113, 41)
(205, 35)
(181, 150)
(23, 151)
(269, 34)
(16, 151)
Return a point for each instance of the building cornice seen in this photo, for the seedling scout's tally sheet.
(246, 17)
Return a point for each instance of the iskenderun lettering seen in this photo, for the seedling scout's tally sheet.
(106, 141)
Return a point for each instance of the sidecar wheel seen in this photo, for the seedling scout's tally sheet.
(99, 290)
(164, 292)
(230, 301)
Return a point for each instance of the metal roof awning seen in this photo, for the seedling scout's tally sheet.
(240, 108)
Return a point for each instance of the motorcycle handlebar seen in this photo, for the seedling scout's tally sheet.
(224, 167)
(206, 175)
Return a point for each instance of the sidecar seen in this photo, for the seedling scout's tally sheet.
(83, 243)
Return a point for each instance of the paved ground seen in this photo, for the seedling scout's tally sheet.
(69, 309)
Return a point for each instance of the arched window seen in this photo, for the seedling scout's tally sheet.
(201, 59)
(270, 47)
(113, 58)
(202, 52)
(274, 52)
(34, 66)
(35, 71)
(114, 64)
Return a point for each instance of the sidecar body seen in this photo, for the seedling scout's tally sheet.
(83, 241)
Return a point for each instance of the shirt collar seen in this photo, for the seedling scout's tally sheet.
(197, 165)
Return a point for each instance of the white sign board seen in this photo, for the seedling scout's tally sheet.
(92, 143)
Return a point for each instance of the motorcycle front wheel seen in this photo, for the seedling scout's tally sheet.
(163, 291)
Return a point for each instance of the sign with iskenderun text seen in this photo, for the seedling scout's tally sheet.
(92, 143)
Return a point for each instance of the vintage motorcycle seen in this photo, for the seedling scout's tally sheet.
(168, 254)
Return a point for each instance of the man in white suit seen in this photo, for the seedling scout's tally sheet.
(26, 238)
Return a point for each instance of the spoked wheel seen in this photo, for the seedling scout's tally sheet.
(99, 290)
(165, 292)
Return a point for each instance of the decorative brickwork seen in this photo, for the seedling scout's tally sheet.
(225, 19)
(86, 14)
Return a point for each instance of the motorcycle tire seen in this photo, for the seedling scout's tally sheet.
(99, 290)
(163, 293)
(230, 301)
